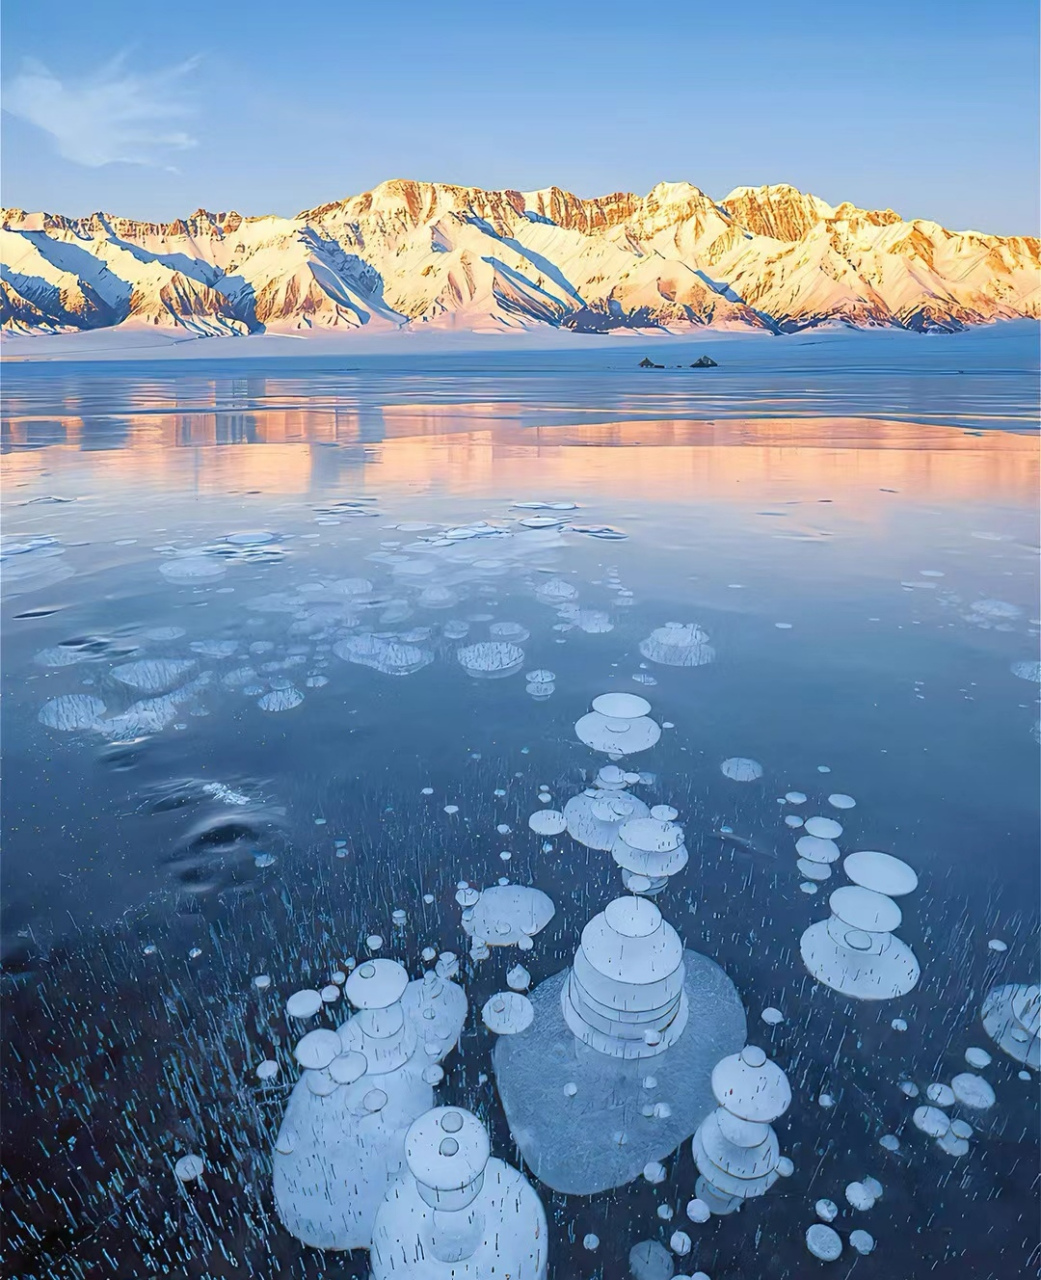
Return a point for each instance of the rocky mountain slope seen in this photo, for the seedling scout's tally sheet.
(421, 253)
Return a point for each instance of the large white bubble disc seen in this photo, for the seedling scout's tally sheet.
(741, 769)
(824, 828)
(317, 1049)
(880, 872)
(621, 706)
(865, 909)
(617, 737)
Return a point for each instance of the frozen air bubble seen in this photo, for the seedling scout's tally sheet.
(862, 1242)
(826, 1210)
(741, 769)
(823, 828)
(750, 1086)
(348, 1067)
(153, 675)
(977, 1057)
(880, 872)
(952, 1145)
(509, 631)
(931, 1121)
(304, 1004)
(621, 706)
(280, 699)
(823, 1242)
(859, 1197)
(698, 1211)
(617, 737)
(973, 1091)
(250, 538)
(813, 870)
(795, 797)
(192, 569)
(71, 711)
(518, 978)
(547, 822)
(841, 801)
(507, 1013)
(678, 645)
(317, 1049)
(815, 849)
(941, 1094)
(509, 914)
(865, 909)
(188, 1168)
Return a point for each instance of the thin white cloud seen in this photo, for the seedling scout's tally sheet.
(113, 115)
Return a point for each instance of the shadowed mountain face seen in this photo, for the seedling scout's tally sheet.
(421, 253)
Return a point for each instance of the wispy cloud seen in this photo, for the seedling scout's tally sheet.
(113, 115)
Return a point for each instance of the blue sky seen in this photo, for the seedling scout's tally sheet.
(152, 109)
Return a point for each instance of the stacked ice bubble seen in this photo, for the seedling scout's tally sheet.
(735, 1147)
(595, 816)
(624, 996)
(649, 850)
(619, 724)
(855, 951)
(582, 1104)
(341, 1142)
(678, 644)
(455, 1210)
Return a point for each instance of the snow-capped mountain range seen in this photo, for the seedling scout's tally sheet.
(422, 254)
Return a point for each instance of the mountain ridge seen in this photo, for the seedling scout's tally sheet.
(410, 254)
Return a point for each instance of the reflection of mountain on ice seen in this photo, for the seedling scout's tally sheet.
(419, 254)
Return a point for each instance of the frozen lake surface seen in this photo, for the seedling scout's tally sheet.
(294, 647)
